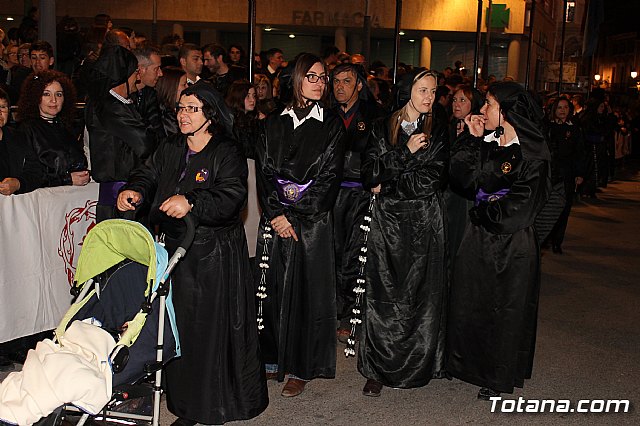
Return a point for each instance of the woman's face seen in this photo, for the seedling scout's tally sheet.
(562, 110)
(461, 105)
(52, 100)
(250, 100)
(190, 120)
(4, 112)
(182, 84)
(263, 89)
(423, 93)
(491, 112)
(234, 54)
(314, 91)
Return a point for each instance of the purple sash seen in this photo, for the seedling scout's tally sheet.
(490, 196)
(351, 184)
(290, 192)
(108, 193)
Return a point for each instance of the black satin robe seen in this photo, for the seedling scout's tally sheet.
(351, 206)
(57, 151)
(403, 335)
(496, 274)
(219, 377)
(300, 308)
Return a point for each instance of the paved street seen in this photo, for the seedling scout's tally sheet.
(588, 340)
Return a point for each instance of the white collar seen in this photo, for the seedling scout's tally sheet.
(189, 81)
(271, 70)
(316, 112)
(492, 138)
(120, 98)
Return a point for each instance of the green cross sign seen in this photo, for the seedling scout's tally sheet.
(499, 16)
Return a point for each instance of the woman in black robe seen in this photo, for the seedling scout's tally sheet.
(496, 273)
(46, 110)
(566, 145)
(219, 377)
(403, 340)
(299, 164)
(466, 100)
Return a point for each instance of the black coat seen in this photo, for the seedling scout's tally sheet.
(352, 204)
(496, 272)
(119, 140)
(219, 377)
(58, 152)
(300, 308)
(147, 105)
(17, 160)
(406, 270)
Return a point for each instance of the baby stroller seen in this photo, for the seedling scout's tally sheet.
(108, 348)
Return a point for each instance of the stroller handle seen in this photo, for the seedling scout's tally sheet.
(189, 234)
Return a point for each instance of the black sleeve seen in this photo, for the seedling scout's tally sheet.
(267, 194)
(381, 162)
(144, 179)
(464, 164)
(517, 209)
(427, 176)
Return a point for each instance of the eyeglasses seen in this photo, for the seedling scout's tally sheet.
(189, 109)
(314, 78)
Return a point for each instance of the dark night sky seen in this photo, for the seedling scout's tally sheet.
(622, 15)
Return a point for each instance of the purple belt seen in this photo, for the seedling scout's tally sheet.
(108, 193)
(290, 192)
(350, 184)
(490, 196)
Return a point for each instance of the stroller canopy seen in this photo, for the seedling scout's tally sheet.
(112, 241)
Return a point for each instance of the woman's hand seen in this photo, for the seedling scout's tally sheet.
(283, 228)
(128, 200)
(80, 178)
(176, 206)
(376, 190)
(417, 141)
(9, 185)
(475, 123)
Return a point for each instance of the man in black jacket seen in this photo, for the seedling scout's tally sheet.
(119, 139)
(146, 98)
(222, 74)
(356, 106)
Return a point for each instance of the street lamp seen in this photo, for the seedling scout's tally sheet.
(634, 74)
(597, 77)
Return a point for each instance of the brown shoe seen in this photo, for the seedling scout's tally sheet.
(372, 388)
(294, 387)
(343, 335)
(272, 376)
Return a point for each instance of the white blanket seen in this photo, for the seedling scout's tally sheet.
(75, 371)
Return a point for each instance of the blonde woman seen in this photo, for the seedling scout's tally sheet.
(402, 343)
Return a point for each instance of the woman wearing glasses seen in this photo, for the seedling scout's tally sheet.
(219, 377)
(298, 172)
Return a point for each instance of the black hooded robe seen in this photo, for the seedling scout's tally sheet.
(219, 377)
(496, 273)
(300, 308)
(403, 329)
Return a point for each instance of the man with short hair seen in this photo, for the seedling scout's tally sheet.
(23, 55)
(357, 108)
(222, 75)
(274, 61)
(190, 57)
(41, 54)
(146, 98)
